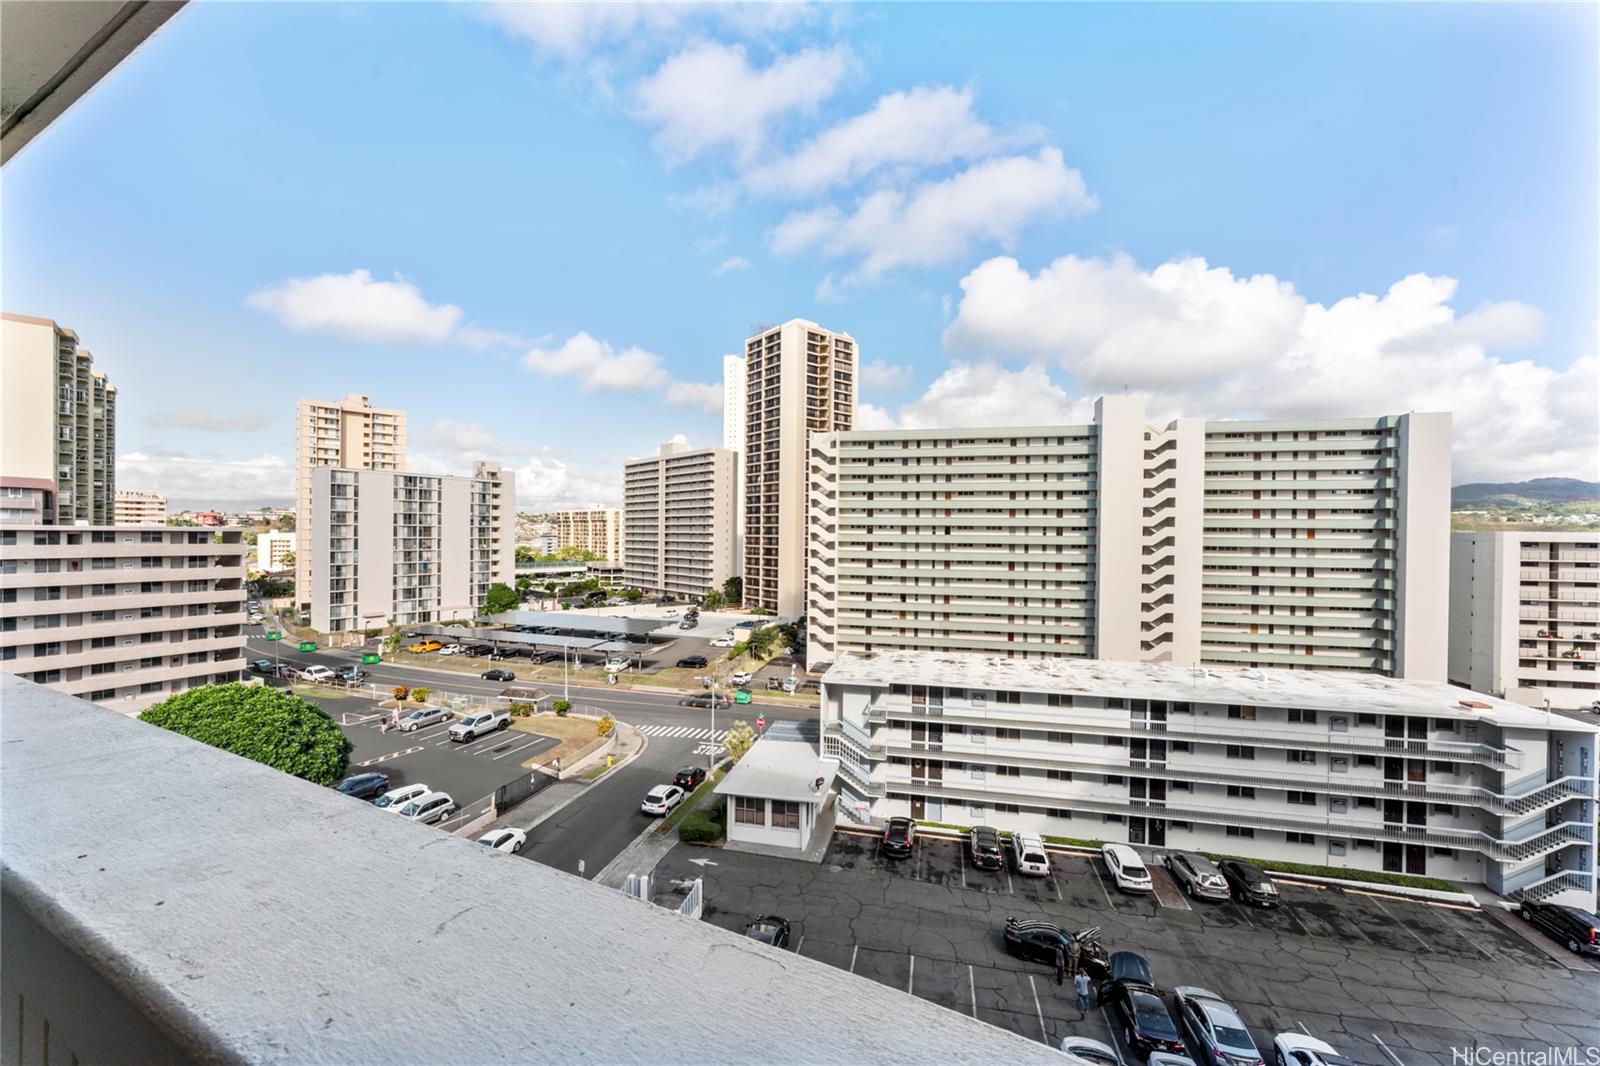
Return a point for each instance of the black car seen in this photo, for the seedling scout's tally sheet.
(899, 838)
(705, 699)
(1576, 929)
(689, 778)
(693, 662)
(983, 844)
(352, 675)
(263, 666)
(476, 650)
(1129, 967)
(1042, 942)
(1146, 1024)
(769, 930)
(364, 786)
(1249, 884)
(498, 674)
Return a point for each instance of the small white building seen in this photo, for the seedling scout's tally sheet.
(271, 549)
(776, 792)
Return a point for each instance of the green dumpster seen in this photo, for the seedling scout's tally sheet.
(308, 645)
(368, 659)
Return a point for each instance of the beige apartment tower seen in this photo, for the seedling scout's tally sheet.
(800, 379)
(1317, 544)
(58, 428)
(135, 508)
(351, 434)
(597, 530)
(678, 520)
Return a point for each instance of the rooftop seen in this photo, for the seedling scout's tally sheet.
(1323, 690)
(784, 764)
(583, 622)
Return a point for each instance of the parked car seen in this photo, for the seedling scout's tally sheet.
(1130, 967)
(396, 798)
(1249, 884)
(791, 683)
(262, 666)
(1565, 925)
(1215, 1032)
(769, 930)
(693, 662)
(502, 654)
(284, 670)
(1028, 855)
(1039, 941)
(723, 642)
(1298, 1049)
(434, 807)
(318, 673)
(741, 677)
(689, 778)
(364, 786)
(748, 624)
(352, 675)
(1087, 1052)
(705, 699)
(1167, 1058)
(504, 840)
(423, 716)
(899, 838)
(1126, 868)
(1197, 875)
(452, 649)
(661, 799)
(983, 847)
(1132, 996)
(689, 623)
(476, 725)
(423, 646)
(476, 650)
(616, 664)
(497, 674)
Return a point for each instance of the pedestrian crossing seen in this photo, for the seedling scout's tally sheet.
(681, 731)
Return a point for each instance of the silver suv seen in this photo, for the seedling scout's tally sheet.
(1197, 875)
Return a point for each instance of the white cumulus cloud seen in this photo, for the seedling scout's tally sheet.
(880, 375)
(572, 30)
(731, 265)
(191, 481)
(544, 479)
(595, 365)
(984, 394)
(354, 307)
(939, 221)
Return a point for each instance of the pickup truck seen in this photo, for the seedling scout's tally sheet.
(476, 725)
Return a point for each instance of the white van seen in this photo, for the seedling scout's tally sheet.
(1028, 855)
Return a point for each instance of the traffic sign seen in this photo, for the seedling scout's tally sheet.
(761, 722)
(274, 635)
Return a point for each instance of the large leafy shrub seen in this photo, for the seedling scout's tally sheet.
(271, 726)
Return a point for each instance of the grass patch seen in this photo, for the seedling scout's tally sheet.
(1376, 877)
(575, 734)
(690, 802)
(596, 772)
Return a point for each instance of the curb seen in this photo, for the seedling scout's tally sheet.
(583, 788)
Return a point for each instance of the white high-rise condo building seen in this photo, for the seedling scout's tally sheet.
(58, 428)
(1525, 616)
(122, 615)
(351, 434)
(800, 380)
(1314, 544)
(272, 548)
(597, 530)
(406, 548)
(135, 508)
(733, 418)
(678, 520)
(1330, 769)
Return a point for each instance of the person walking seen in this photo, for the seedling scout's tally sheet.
(1081, 983)
(1061, 966)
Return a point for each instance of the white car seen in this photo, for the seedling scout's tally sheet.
(1028, 855)
(452, 649)
(740, 679)
(616, 665)
(1126, 868)
(722, 642)
(1088, 1052)
(396, 798)
(661, 799)
(1298, 1049)
(316, 673)
(504, 840)
(1167, 1058)
(428, 809)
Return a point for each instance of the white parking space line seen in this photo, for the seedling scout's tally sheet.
(1295, 918)
(1385, 1048)
(391, 755)
(1469, 938)
(802, 944)
(961, 853)
(911, 974)
(1056, 886)
(1358, 929)
(853, 952)
(1379, 904)
(1303, 1028)
(1096, 875)
(1009, 886)
(972, 990)
(1111, 1035)
(1244, 910)
(524, 747)
(1043, 1033)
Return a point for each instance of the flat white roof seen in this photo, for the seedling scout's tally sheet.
(1322, 690)
(783, 764)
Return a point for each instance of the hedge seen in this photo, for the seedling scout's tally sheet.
(1377, 877)
(699, 828)
(271, 726)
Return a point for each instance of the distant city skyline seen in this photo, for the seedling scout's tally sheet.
(1247, 212)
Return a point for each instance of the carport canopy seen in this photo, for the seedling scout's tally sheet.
(578, 622)
(507, 636)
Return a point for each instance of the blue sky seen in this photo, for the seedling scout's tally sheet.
(536, 230)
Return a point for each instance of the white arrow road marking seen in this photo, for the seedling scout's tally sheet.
(702, 862)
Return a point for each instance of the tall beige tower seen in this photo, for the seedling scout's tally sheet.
(800, 379)
(58, 428)
(348, 433)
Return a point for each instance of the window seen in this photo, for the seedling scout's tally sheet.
(1008, 771)
(1300, 756)
(1008, 697)
(1182, 746)
(45, 677)
(1059, 738)
(1008, 734)
(1240, 751)
(749, 811)
(1058, 775)
(1245, 713)
(785, 814)
(1338, 764)
(1447, 853)
(1299, 838)
(1336, 847)
(1302, 797)
(1056, 699)
(1111, 818)
(1247, 792)
(1366, 760)
(1366, 719)
(1237, 831)
(1305, 717)
(1113, 742)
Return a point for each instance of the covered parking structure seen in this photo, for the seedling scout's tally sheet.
(501, 639)
(579, 624)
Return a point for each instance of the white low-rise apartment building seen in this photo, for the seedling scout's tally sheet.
(1525, 616)
(273, 548)
(678, 520)
(1315, 544)
(399, 549)
(1334, 769)
(136, 508)
(122, 615)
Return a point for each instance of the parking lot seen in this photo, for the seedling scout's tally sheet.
(1388, 982)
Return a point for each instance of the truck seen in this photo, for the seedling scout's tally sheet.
(479, 723)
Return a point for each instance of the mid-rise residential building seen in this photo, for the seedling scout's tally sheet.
(800, 380)
(1525, 616)
(1331, 769)
(136, 508)
(734, 410)
(597, 530)
(399, 549)
(58, 428)
(275, 550)
(678, 520)
(350, 434)
(122, 615)
(1315, 544)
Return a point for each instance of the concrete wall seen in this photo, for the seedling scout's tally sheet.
(455, 549)
(1423, 564)
(1120, 526)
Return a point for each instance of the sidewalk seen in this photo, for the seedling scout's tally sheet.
(548, 801)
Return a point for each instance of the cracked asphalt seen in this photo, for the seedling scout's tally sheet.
(1385, 981)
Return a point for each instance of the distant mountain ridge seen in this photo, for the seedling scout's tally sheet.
(1539, 490)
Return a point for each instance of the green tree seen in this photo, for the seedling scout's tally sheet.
(733, 590)
(500, 597)
(271, 726)
(761, 642)
(561, 707)
(524, 587)
(286, 523)
(288, 558)
(789, 635)
(738, 740)
(712, 600)
(525, 554)
(634, 595)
